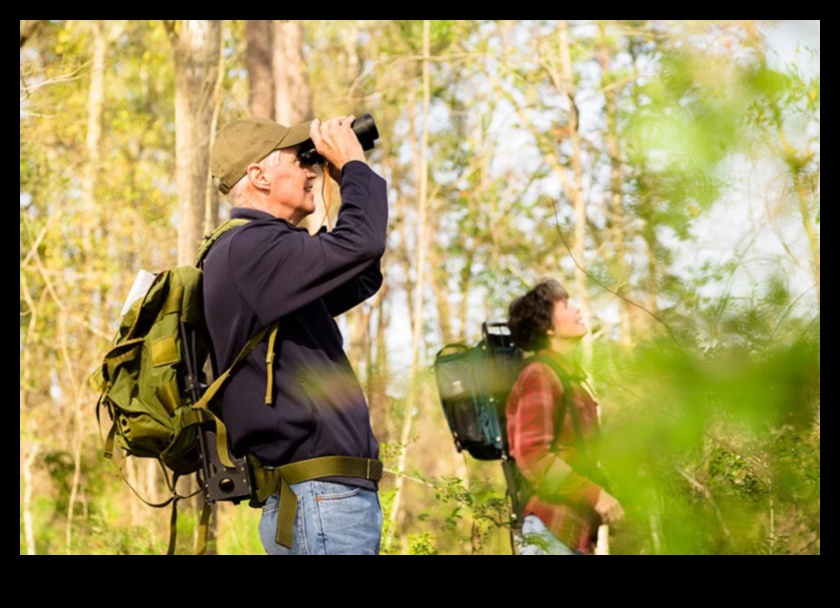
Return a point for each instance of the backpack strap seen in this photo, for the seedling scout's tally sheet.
(211, 238)
(202, 405)
(517, 486)
(566, 381)
(271, 480)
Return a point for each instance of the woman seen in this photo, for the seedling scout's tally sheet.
(553, 428)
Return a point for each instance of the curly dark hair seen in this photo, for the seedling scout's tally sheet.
(532, 315)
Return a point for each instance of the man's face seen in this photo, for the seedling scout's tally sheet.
(292, 187)
(568, 323)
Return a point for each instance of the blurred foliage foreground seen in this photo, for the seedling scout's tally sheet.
(712, 454)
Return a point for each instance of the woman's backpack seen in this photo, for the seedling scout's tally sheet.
(473, 385)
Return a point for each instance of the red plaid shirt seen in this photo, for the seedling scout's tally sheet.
(564, 498)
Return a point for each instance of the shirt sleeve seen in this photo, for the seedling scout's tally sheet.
(356, 290)
(279, 271)
(544, 463)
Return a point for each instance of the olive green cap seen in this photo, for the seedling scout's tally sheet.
(249, 140)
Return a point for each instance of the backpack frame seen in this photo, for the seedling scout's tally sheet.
(474, 383)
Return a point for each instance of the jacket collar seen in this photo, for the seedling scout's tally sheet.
(255, 214)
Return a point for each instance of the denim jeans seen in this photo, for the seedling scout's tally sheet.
(536, 539)
(332, 519)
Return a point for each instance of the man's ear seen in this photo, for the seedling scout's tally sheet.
(257, 177)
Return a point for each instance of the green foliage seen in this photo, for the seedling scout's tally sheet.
(711, 419)
(471, 517)
(237, 531)
(386, 499)
(421, 544)
(716, 453)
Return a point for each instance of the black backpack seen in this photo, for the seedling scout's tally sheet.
(473, 385)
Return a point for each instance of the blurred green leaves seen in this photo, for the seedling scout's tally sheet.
(715, 453)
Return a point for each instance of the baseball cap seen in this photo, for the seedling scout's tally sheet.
(249, 140)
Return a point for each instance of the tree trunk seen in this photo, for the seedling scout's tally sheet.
(27, 28)
(292, 97)
(615, 212)
(804, 195)
(417, 321)
(576, 192)
(377, 378)
(258, 53)
(197, 51)
(293, 100)
(29, 533)
(440, 282)
(96, 99)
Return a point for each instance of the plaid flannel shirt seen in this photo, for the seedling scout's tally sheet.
(562, 496)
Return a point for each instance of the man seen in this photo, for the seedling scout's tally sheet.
(294, 406)
(553, 436)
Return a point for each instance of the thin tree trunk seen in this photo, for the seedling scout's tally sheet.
(197, 51)
(78, 430)
(96, 100)
(615, 208)
(576, 192)
(578, 246)
(419, 286)
(212, 196)
(813, 240)
(292, 96)
(358, 322)
(804, 192)
(258, 54)
(441, 291)
(465, 285)
(28, 529)
(293, 104)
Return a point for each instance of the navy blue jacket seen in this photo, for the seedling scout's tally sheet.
(270, 269)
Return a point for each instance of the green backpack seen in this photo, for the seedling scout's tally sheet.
(153, 385)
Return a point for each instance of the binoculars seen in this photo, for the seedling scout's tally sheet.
(364, 128)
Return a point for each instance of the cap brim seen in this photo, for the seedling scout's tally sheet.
(296, 135)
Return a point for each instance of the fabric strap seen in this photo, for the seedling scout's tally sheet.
(271, 480)
(517, 486)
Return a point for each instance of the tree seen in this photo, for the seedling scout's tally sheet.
(258, 59)
(196, 47)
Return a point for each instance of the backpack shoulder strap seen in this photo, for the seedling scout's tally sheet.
(211, 238)
(566, 380)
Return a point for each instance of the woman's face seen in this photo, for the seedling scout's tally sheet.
(568, 323)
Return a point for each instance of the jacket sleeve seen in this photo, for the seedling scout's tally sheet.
(279, 271)
(547, 465)
(356, 290)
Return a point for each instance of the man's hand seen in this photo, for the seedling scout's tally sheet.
(609, 508)
(336, 142)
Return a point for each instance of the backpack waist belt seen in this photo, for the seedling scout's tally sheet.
(271, 480)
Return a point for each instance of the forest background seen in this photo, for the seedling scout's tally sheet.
(667, 172)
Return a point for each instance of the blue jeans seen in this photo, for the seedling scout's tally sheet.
(332, 519)
(536, 539)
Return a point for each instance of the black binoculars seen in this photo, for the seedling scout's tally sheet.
(364, 128)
